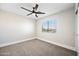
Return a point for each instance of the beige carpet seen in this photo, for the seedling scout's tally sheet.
(35, 47)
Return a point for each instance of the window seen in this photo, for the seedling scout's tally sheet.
(49, 26)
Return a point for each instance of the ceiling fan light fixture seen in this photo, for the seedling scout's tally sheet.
(34, 11)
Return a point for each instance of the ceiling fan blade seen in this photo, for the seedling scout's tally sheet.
(36, 15)
(26, 9)
(40, 12)
(29, 14)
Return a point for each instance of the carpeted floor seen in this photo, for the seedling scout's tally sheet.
(35, 47)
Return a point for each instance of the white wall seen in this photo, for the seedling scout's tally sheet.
(65, 33)
(78, 30)
(15, 27)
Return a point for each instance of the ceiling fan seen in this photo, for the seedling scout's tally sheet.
(34, 11)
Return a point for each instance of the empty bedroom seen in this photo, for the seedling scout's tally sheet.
(38, 29)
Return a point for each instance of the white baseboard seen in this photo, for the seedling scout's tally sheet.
(19, 41)
(65, 46)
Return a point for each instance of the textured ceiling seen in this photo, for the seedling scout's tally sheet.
(48, 8)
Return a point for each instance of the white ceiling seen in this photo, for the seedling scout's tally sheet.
(48, 8)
